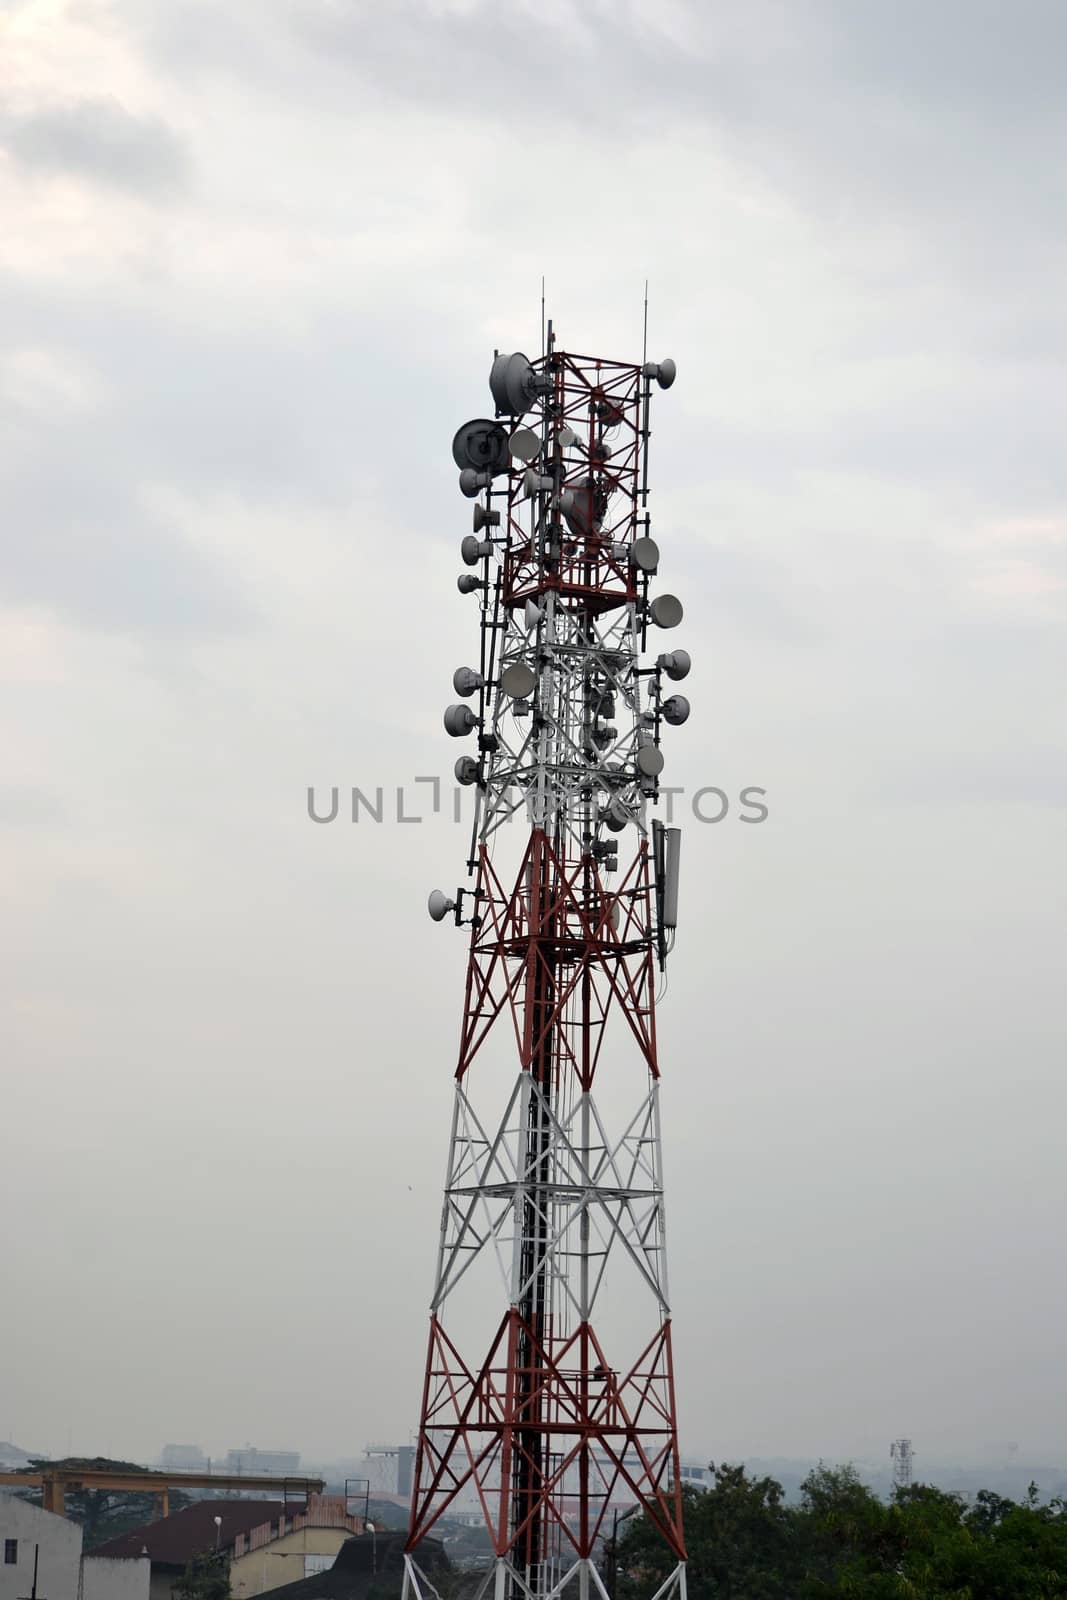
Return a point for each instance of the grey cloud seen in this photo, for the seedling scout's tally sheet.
(355, 397)
(315, 419)
(960, 55)
(89, 548)
(945, 118)
(602, 74)
(1027, 776)
(24, 805)
(859, 83)
(996, 446)
(995, 441)
(743, 590)
(474, 64)
(856, 84)
(99, 139)
(82, 533)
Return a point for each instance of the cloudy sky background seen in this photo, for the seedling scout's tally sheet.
(254, 260)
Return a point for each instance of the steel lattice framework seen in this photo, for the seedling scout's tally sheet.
(544, 1422)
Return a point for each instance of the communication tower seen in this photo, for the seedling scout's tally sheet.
(902, 1457)
(549, 1384)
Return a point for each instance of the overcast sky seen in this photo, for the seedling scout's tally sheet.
(254, 261)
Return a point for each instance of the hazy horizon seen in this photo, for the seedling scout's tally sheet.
(995, 1457)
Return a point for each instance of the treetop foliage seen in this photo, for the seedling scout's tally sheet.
(207, 1577)
(104, 1513)
(745, 1543)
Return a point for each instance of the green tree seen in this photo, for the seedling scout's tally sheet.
(738, 1535)
(106, 1513)
(842, 1530)
(927, 1545)
(207, 1577)
(843, 1543)
(742, 1538)
(642, 1560)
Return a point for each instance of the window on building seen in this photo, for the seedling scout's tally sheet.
(313, 1565)
(11, 1552)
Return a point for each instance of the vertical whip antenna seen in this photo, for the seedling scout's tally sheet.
(644, 341)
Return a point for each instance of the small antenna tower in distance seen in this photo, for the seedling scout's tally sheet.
(902, 1457)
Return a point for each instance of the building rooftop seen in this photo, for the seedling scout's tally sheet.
(173, 1541)
(363, 1567)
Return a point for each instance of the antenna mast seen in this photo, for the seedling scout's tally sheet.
(552, 1193)
(903, 1457)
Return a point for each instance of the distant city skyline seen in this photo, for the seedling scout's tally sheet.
(998, 1455)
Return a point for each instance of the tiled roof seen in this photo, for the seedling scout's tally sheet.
(173, 1541)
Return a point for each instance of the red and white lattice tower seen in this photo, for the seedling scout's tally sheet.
(549, 1387)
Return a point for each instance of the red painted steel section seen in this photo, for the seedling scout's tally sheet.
(618, 1431)
(605, 965)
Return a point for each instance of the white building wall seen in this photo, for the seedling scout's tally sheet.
(59, 1548)
(115, 1578)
